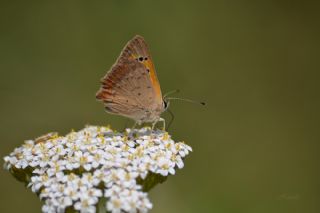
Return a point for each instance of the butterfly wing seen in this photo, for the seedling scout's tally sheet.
(131, 88)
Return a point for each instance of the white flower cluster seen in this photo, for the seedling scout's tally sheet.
(80, 169)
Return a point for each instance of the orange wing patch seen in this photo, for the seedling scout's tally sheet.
(155, 83)
(147, 62)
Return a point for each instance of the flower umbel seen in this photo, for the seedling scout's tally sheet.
(96, 164)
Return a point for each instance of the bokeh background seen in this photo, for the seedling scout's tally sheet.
(255, 63)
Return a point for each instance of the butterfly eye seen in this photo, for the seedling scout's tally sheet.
(140, 58)
(166, 104)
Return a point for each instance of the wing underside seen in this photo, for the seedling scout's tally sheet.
(131, 87)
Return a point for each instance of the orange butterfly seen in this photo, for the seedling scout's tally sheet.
(131, 87)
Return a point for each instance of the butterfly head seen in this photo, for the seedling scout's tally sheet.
(166, 104)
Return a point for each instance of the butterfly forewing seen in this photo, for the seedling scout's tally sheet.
(131, 87)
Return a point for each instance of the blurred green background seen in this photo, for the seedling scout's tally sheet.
(256, 64)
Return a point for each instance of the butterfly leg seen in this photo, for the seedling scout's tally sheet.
(125, 125)
(159, 120)
(153, 125)
(164, 123)
(135, 124)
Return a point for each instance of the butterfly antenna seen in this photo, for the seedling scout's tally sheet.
(171, 92)
(172, 118)
(187, 100)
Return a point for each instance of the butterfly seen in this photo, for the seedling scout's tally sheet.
(131, 87)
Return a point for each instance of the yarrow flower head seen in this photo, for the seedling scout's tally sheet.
(97, 168)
